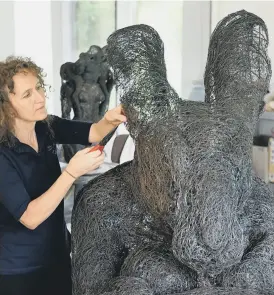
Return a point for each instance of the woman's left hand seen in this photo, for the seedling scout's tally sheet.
(111, 120)
(115, 116)
(269, 102)
(269, 107)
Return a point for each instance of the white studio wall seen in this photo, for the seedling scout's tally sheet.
(196, 34)
(6, 29)
(34, 29)
(33, 38)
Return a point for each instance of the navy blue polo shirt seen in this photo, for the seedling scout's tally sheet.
(24, 176)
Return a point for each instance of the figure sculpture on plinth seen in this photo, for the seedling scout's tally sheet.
(86, 88)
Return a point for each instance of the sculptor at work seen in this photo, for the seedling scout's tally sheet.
(187, 215)
(34, 241)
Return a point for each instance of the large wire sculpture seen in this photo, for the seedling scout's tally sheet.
(187, 215)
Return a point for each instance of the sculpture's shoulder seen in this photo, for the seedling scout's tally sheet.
(107, 190)
(109, 200)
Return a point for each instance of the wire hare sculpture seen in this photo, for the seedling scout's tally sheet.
(187, 215)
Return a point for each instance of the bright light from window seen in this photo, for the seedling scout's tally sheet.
(166, 17)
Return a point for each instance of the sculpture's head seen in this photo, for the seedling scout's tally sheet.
(197, 162)
(136, 56)
(202, 132)
(238, 68)
(95, 53)
(91, 62)
(66, 71)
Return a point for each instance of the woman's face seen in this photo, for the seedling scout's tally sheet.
(28, 99)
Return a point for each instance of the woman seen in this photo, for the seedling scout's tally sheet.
(34, 248)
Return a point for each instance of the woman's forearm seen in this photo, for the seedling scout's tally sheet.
(99, 130)
(41, 208)
(111, 120)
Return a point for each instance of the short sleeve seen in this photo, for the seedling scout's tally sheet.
(13, 194)
(70, 131)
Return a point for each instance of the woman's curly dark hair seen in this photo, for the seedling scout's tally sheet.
(8, 69)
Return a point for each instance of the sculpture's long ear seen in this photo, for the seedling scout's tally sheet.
(238, 68)
(136, 55)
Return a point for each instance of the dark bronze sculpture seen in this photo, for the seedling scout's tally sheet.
(85, 90)
(187, 215)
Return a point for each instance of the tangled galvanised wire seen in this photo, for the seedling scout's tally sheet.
(187, 215)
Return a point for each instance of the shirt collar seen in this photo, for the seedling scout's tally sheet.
(40, 129)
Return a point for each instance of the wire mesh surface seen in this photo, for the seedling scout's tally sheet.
(187, 215)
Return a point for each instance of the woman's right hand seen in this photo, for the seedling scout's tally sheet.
(85, 161)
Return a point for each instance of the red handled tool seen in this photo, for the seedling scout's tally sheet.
(103, 142)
